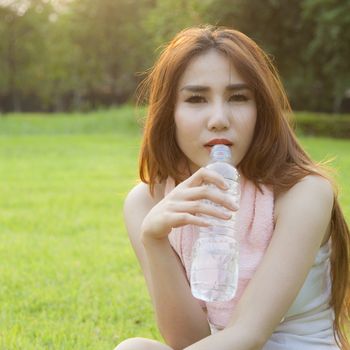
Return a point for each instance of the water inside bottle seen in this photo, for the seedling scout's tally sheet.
(215, 272)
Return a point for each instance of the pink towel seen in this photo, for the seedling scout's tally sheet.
(254, 228)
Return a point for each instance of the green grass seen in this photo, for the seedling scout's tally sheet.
(109, 121)
(68, 276)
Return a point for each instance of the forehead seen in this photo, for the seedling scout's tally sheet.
(210, 68)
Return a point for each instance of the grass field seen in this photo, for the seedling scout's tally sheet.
(68, 277)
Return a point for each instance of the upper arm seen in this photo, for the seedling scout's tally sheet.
(304, 215)
(137, 204)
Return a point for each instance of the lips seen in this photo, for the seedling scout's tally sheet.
(213, 142)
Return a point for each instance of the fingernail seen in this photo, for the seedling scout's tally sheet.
(233, 205)
(227, 213)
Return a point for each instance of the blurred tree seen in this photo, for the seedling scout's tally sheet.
(23, 34)
(167, 17)
(328, 53)
(67, 54)
(59, 66)
(8, 61)
(110, 42)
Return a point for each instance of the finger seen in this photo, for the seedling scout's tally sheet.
(203, 208)
(182, 219)
(212, 194)
(206, 176)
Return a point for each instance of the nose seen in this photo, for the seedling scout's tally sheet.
(219, 118)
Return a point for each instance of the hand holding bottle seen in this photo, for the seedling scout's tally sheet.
(187, 203)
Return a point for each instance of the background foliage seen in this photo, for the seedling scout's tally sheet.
(81, 54)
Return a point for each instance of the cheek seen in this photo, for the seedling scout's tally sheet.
(250, 127)
(247, 119)
(186, 125)
(247, 127)
(180, 130)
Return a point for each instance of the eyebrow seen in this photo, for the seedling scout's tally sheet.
(201, 88)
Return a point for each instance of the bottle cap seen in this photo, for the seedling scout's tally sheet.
(221, 152)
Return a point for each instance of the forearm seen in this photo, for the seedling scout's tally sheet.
(180, 318)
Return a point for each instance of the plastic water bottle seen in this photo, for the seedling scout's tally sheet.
(214, 270)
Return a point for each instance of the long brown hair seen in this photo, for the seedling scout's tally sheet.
(275, 157)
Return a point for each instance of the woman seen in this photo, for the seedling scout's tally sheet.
(215, 85)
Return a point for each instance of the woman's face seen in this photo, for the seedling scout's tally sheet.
(213, 105)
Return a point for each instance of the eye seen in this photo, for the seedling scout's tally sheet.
(239, 97)
(195, 99)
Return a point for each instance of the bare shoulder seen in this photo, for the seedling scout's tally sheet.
(140, 197)
(316, 186)
(138, 202)
(313, 196)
